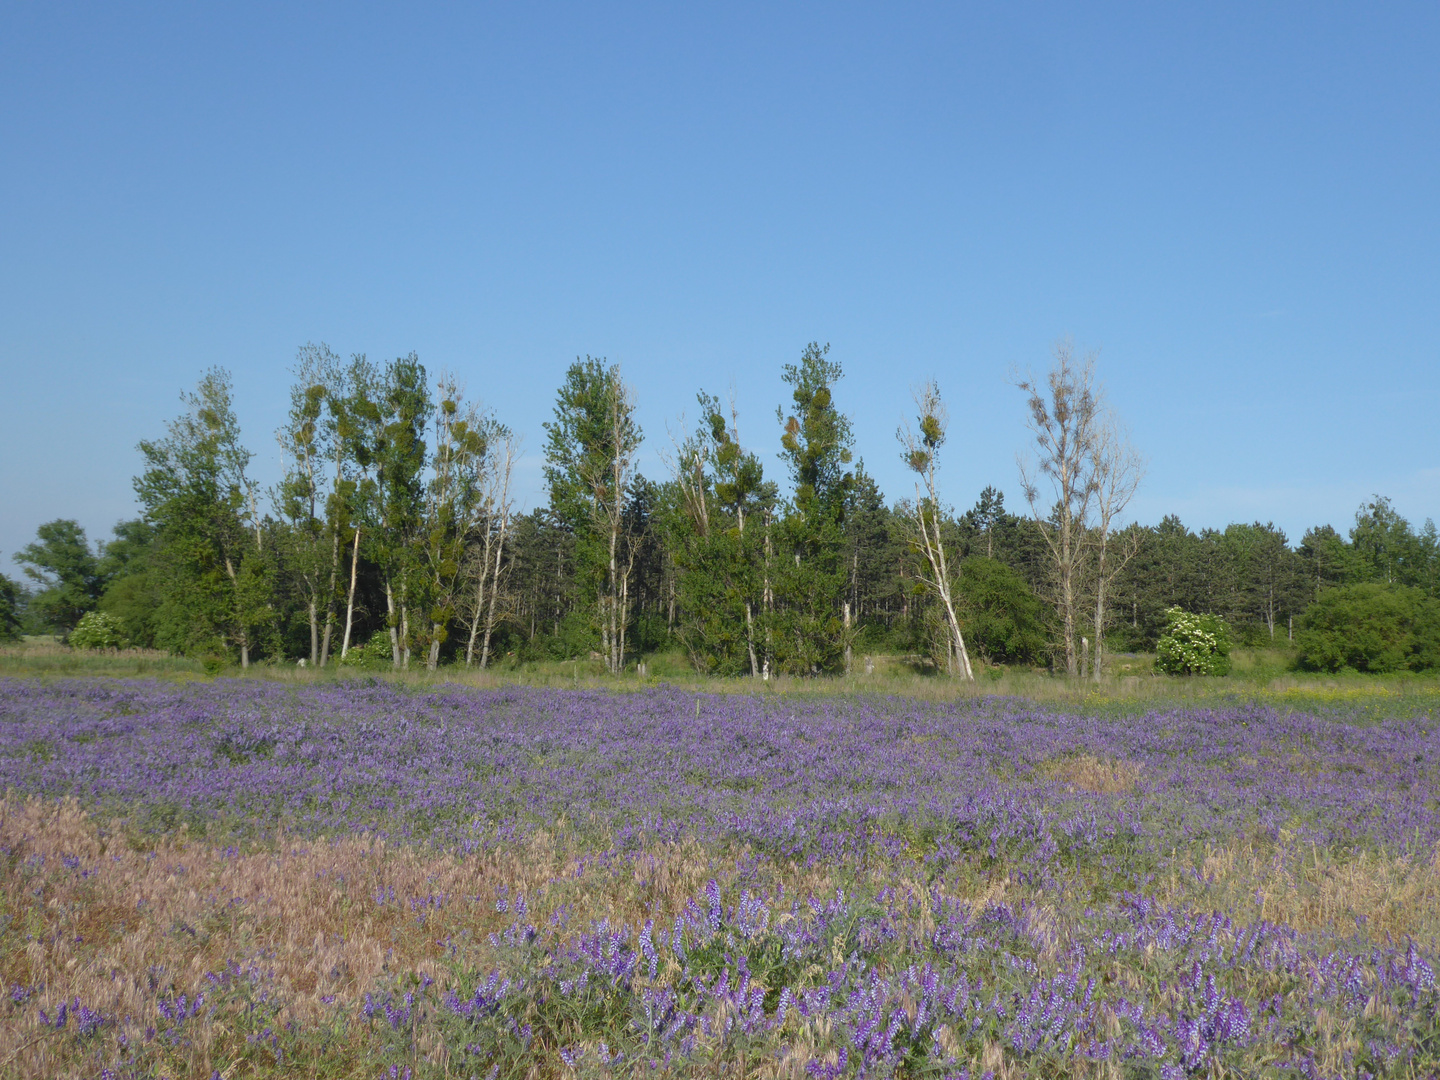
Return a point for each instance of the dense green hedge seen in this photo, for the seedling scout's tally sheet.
(1370, 627)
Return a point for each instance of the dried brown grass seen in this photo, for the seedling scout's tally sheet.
(148, 918)
(1099, 776)
(133, 920)
(1375, 895)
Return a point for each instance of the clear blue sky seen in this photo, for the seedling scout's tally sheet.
(1238, 205)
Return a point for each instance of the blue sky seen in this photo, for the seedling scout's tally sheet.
(1236, 204)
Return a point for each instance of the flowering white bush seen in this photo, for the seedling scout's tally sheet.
(1193, 645)
(97, 630)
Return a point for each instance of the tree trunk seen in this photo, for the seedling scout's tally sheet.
(1100, 583)
(750, 641)
(350, 600)
(405, 636)
(391, 625)
(494, 591)
(330, 600)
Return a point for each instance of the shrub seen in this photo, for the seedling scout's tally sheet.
(1370, 627)
(97, 630)
(374, 653)
(1193, 645)
(1002, 619)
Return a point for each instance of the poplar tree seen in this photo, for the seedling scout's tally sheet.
(920, 452)
(314, 464)
(401, 416)
(213, 579)
(1064, 414)
(725, 506)
(806, 569)
(590, 466)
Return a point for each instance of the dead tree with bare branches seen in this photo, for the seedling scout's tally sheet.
(1064, 420)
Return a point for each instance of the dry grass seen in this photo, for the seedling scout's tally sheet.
(133, 922)
(1085, 772)
(330, 920)
(1376, 896)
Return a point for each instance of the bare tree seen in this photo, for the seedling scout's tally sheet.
(1116, 469)
(1065, 422)
(924, 516)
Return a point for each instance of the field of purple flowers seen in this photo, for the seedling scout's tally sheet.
(382, 881)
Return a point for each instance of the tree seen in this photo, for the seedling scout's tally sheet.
(589, 466)
(986, 516)
(920, 452)
(454, 505)
(1116, 470)
(68, 572)
(1393, 552)
(312, 448)
(715, 530)
(1371, 626)
(12, 607)
(1005, 620)
(358, 421)
(487, 553)
(398, 425)
(1064, 419)
(806, 571)
(1263, 576)
(126, 565)
(876, 553)
(213, 578)
(1327, 560)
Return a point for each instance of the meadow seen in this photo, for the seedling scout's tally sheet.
(380, 878)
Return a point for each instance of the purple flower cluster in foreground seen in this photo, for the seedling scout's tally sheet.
(823, 779)
(907, 983)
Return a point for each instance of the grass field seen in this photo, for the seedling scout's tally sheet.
(291, 874)
(1265, 675)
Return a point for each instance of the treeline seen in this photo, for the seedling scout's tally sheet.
(392, 540)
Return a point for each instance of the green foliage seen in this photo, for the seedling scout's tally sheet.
(374, 653)
(400, 453)
(61, 563)
(12, 605)
(1370, 627)
(211, 577)
(1391, 550)
(589, 448)
(98, 630)
(817, 437)
(1001, 617)
(805, 630)
(1193, 645)
(716, 516)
